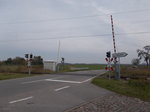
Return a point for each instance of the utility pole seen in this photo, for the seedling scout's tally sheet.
(114, 44)
(62, 63)
(58, 55)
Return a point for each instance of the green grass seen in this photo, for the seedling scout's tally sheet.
(90, 66)
(36, 69)
(135, 72)
(5, 76)
(20, 71)
(133, 88)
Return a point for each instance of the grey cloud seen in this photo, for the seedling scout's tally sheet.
(37, 19)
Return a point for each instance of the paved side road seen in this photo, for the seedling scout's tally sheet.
(61, 92)
(49, 93)
(113, 103)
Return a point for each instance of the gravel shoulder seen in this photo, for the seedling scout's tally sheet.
(113, 103)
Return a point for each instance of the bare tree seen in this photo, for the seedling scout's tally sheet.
(144, 54)
(147, 48)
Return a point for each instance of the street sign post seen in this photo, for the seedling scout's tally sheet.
(119, 55)
(147, 47)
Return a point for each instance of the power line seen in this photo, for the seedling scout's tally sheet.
(61, 37)
(131, 11)
(78, 17)
(133, 33)
(134, 21)
(74, 28)
(54, 19)
(78, 36)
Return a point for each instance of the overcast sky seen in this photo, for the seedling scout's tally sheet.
(82, 26)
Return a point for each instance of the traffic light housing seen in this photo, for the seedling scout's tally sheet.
(26, 56)
(31, 56)
(108, 54)
(62, 59)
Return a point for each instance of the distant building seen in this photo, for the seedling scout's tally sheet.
(50, 65)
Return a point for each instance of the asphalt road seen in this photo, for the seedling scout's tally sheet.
(49, 93)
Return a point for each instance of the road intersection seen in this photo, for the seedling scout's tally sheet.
(49, 93)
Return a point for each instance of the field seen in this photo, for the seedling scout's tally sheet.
(135, 73)
(86, 66)
(135, 82)
(19, 71)
(5, 76)
(90, 66)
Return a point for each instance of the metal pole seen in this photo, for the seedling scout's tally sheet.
(58, 54)
(29, 71)
(114, 44)
(29, 67)
(109, 69)
(119, 69)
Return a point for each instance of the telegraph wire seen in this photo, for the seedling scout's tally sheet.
(59, 37)
(75, 37)
(131, 11)
(133, 33)
(77, 17)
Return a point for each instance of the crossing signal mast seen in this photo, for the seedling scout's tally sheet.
(113, 34)
(109, 60)
(114, 44)
(116, 54)
(29, 59)
(108, 54)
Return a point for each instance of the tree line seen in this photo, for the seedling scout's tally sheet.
(37, 60)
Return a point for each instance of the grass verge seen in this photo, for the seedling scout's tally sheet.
(133, 88)
(68, 67)
(90, 66)
(5, 76)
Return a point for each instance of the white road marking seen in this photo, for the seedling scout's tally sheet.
(23, 99)
(76, 82)
(88, 79)
(62, 81)
(57, 77)
(32, 81)
(39, 80)
(53, 80)
(62, 88)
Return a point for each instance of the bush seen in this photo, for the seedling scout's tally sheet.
(139, 73)
(22, 69)
(135, 62)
